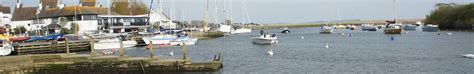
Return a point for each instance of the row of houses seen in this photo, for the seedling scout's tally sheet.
(89, 16)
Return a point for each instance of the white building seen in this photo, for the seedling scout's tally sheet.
(5, 16)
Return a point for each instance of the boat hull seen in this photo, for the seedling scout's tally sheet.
(392, 31)
(326, 31)
(113, 44)
(409, 28)
(430, 29)
(6, 49)
(242, 30)
(264, 40)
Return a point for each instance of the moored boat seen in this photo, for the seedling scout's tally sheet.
(113, 43)
(6, 48)
(326, 30)
(409, 27)
(368, 27)
(391, 28)
(430, 28)
(161, 39)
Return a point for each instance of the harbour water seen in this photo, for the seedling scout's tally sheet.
(363, 52)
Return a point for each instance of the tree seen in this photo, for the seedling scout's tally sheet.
(126, 7)
(452, 16)
(74, 28)
(19, 30)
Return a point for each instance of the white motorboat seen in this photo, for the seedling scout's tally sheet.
(159, 39)
(6, 49)
(265, 39)
(326, 30)
(113, 43)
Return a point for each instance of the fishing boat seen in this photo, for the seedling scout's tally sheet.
(409, 27)
(6, 48)
(430, 28)
(326, 30)
(368, 27)
(265, 39)
(391, 28)
(113, 43)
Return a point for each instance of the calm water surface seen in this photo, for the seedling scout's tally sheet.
(363, 52)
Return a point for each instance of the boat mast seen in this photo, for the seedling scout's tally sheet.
(245, 12)
(149, 12)
(206, 17)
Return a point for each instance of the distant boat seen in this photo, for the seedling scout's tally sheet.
(326, 30)
(285, 30)
(265, 39)
(113, 43)
(225, 28)
(430, 28)
(391, 28)
(240, 30)
(6, 48)
(409, 27)
(368, 27)
(340, 27)
(468, 56)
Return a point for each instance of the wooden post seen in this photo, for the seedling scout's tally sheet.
(92, 47)
(67, 45)
(151, 49)
(122, 50)
(185, 58)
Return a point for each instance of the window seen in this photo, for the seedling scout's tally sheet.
(38, 21)
(89, 17)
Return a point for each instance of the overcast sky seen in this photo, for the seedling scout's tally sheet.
(289, 11)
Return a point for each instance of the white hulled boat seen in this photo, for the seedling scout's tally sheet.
(409, 27)
(159, 39)
(368, 27)
(184, 41)
(326, 30)
(113, 43)
(6, 48)
(265, 39)
(241, 30)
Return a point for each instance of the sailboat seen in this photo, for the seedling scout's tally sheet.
(391, 27)
(326, 30)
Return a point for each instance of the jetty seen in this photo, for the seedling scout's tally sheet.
(44, 47)
(95, 63)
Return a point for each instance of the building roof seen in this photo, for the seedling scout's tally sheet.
(4, 9)
(24, 13)
(73, 10)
